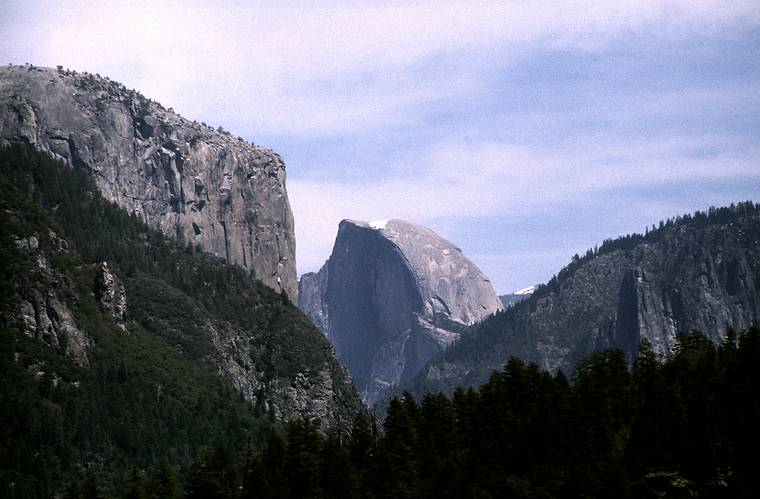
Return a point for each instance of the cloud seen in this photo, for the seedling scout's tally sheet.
(448, 113)
(470, 181)
(320, 68)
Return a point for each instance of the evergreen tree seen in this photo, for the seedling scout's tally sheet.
(400, 447)
(135, 485)
(302, 459)
(163, 482)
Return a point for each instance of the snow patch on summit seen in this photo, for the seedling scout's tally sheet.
(379, 224)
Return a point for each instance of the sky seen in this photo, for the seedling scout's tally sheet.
(523, 132)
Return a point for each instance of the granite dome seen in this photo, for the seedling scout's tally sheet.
(392, 295)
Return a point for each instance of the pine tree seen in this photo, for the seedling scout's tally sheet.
(302, 459)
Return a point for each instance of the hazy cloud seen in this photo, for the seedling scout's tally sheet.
(467, 116)
(467, 182)
(321, 68)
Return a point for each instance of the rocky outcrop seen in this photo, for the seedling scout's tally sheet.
(276, 359)
(192, 182)
(271, 354)
(111, 294)
(698, 272)
(392, 295)
(118, 284)
(40, 309)
(312, 290)
(318, 391)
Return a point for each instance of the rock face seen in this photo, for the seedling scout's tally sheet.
(40, 308)
(183, 177)
(312, 290)
(315, 386)
(112, 295)
(700, 272)
(392, 295)
(82, 277)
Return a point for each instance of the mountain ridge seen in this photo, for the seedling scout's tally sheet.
(510, 299)
(699, 271)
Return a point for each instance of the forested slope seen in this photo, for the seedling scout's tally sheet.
(699, 271)
(114, 339)
(684, 427)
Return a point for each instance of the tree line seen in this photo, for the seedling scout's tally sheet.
(686, 426)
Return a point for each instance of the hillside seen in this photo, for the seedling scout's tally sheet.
(121, 346)
(698, 271)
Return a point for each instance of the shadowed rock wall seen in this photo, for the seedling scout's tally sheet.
(391, 296)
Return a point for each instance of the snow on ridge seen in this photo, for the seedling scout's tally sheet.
(379, 224)
(525, 291)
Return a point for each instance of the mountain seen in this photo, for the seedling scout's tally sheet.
(510, 299)
(182, 177)
(392, 295)
(312, 299)
(698, 271)
(120, 345)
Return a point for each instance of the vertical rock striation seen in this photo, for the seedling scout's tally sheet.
(391, 296)
(111, 294)
(183, 177)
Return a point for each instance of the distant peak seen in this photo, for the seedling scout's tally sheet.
(525, 291)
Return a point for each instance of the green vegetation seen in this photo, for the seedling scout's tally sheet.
(138, 401)
(601, 290)
(149, 397)
(685, 427)
(148, 418)
(101, 231)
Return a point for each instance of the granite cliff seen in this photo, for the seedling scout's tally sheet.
(391, 296)
(699, 271)
(183, 177)
(312, 299)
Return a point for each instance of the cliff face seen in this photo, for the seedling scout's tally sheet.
(699, 273)
(312, 289)
(392, 295)
(182, 177)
